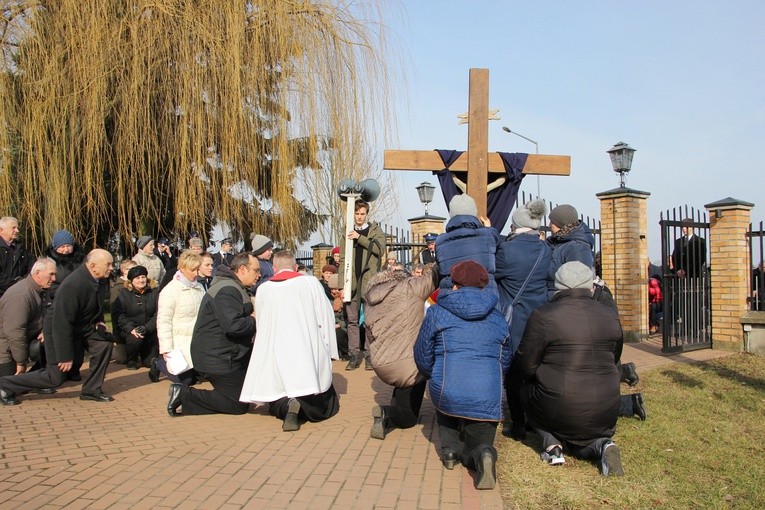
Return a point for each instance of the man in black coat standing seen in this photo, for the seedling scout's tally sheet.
(221, 343)
(78, 323)
(690, 254)
(689, 298)
(15, 262)
(225, 255)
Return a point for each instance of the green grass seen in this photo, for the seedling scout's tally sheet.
(701, 447)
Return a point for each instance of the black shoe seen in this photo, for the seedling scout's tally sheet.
(487, 476)
(354, 363)
(378, 422)
(291, 423)
(516, 431)
(96, 397)
(45, 391)
(638, 408)
(132, 365)
(449, 458)
(8, 399)
(153, 370)
(629, 374)
(73, 376)
(175, 400)
(368, 362)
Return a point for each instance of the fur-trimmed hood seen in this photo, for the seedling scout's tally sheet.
(382, 283)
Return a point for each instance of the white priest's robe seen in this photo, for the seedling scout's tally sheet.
(295, 340)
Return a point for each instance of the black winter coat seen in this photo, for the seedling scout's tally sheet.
(567, 362)
(15, 264)
(78, 307)
(222, 338)
(132, 309)
(65, 264)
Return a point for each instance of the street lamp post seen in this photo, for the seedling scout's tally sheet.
(425, 192)
(508, 130)
(621, 159)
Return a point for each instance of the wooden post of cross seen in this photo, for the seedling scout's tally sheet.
(478, 162)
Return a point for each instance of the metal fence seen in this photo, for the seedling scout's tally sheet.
(403, 245)
(686, 306)
(757, 276)
(305, 257)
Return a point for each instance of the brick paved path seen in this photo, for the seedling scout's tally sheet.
(59, 452)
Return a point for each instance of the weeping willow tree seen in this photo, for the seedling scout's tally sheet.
(170, 115)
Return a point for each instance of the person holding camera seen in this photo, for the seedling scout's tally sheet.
(134, 317)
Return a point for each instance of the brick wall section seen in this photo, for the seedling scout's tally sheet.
(421, 226)
(624, 256)
(729, 263)
(320, 254)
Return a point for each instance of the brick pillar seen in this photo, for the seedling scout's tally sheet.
(624, 255)
(421, 226)
(320, 253)
(729, 261)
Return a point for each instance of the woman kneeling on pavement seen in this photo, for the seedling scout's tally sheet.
(464, 349)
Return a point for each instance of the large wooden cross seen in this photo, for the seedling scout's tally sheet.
(477, 161)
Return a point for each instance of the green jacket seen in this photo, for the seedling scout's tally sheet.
(373, 255)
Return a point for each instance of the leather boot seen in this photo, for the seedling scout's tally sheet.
(629, 374)
(174, 401)
(355, 361)
(379, 419)
(638, 408)
(486, 470)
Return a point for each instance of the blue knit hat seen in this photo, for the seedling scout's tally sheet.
(61, 238)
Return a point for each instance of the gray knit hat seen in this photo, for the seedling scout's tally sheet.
(260, 244)
(142, 242)
(573, 275)
(564, 215)
(530, 214)
(462, 204)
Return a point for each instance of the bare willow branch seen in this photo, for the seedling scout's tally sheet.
(169, 115)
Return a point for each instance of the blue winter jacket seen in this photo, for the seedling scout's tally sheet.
(576, 245)
(466, 239)
(464, 349)
(515, 259)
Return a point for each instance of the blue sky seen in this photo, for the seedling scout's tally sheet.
(683, 82)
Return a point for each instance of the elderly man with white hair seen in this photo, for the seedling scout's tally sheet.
(15, 262)
(21, 316)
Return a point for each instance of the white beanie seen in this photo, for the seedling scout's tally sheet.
(573, 275)
(462, 204)
(530, 214)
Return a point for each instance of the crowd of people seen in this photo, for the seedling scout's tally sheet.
(482, 321)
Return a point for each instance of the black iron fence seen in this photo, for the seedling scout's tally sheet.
(305, 258)
(686, 307)
(403, 245)
(757, 276)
